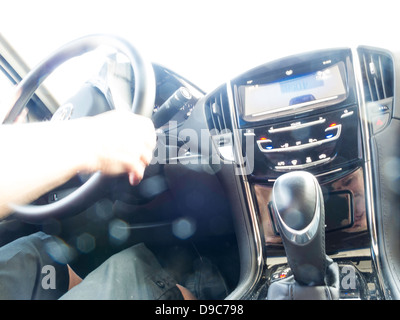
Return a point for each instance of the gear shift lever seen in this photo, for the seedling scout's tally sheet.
(299, 211)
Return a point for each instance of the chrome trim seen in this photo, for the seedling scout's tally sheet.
(346, 114)
(300, 237)
(329, 172)
(295, 107)
(297, 126)
(250, 134)
(254, 276)
(317, 175)
(369, 194)
(186, 157)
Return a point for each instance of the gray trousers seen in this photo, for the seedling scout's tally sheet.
(133, 273)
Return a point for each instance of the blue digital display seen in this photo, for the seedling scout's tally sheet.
(325, 86)
(301, 84)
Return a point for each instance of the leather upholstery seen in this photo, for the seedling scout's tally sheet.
(290, 289)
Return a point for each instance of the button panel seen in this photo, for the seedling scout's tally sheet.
(330, 134)
(309, 143)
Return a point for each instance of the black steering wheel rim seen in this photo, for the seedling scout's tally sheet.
(143, 104)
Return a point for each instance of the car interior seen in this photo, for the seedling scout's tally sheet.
(285, 177)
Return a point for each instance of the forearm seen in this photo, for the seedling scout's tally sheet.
(38, 157)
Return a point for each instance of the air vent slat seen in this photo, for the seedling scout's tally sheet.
(214, 115)
(218, 112)
(377, 89)
(367, 78)
(382, 78)
(223, 114)
(374, 72)
(377, 72)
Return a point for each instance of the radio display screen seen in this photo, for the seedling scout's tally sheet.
(323, 87)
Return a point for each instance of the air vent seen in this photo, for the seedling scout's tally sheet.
(217, 110)
(377, 71)
(219, 123)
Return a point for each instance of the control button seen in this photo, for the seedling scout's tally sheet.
(281, 273)
(308, 160)
(323, 158)
(285, 145)
(330, 131)
(380, 122)
(346, 113)
(383, 108)
(265, 144)
(379, 108)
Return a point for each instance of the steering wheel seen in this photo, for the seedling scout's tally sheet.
(143, 104)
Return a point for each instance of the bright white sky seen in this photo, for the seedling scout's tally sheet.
(207, 41)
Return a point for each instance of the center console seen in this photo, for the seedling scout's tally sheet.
(303, 113)
(305, 116)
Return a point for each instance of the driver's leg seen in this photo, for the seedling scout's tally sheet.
(33, 267)
(133, 273)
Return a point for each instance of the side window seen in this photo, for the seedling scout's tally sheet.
(35, 109)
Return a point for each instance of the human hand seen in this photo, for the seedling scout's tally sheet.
(121, 142)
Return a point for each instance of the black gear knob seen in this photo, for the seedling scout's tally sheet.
(299, 211)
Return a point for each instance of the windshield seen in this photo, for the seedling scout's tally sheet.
(208, 42)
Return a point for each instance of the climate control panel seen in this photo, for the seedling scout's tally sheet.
(313, 143)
